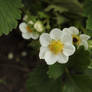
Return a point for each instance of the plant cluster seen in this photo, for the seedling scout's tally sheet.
(60, 32)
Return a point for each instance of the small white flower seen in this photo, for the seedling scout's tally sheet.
(38, 26)
(27, 33)
(25, 17)
(31, 22)
(56, 47)
(78, 39)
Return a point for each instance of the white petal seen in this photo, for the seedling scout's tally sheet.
(26, 35)
(61, 35)
(66, 30)
(69, 49)
(84, 37)
(35, 36)
(45, 39)
(56, 34)
(73, 30)
(43, 50)
(62, 58)
(22, 27)
(50, 58)
(85, 44)
(38, 26)
(66, 38)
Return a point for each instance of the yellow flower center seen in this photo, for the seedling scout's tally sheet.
(76, 39)
(28, 29)
(56, 46)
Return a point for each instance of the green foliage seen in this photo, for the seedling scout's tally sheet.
(9, 14)
(78, 83)
(80, 61)
(71, 77)
(88, 72)
(33, 5)
(39, 82)
(64, 12)
(88, 13)
(42, 15)
(56, 8)
(90, 50)
(66, 5)
(55, 71)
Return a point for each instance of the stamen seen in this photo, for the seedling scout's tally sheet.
(56, 46)
(28, 29)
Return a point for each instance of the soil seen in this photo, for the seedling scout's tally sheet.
(14, 70)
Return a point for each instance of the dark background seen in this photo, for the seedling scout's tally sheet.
(14, 72)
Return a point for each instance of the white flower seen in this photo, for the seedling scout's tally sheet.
(31, 22)
(27, 33)
(78, 39)
(56, 47)
(25, 17)
(38, 26)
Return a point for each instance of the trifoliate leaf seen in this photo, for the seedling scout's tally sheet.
(55, 71)
(9, 14)
(39, 82)
(80, 61)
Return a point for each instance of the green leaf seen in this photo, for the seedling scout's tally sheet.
(88, 13)
(79, 83)
(42, 15)
(55, 71)
(89, 23)
(80, 61)
(88, 72)
(88, 7)
(9, 14)
(90, 50)
(60, 19)
(56, 8)
(39, 82)
(67, 5)
(70, 87)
